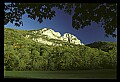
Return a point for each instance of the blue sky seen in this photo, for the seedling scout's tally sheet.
(63, 23)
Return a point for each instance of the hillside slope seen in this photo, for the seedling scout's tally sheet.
(105, 46)
(22, 52)
(44, 36)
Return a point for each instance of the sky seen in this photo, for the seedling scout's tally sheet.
(62, 23)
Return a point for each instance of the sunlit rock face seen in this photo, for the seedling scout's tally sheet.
(50, 33)
(43, 41)
(45, 35)
(71, 38)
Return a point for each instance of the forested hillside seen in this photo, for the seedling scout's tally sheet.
(21, 53)
(105, 46)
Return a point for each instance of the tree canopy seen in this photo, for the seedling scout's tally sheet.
(24, 54)
(84, 14)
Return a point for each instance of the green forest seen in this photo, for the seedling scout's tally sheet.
(23, 54)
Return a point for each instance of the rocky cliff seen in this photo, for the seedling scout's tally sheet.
(46, 36)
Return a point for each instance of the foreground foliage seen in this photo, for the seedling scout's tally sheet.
(22, 54)
(84, 14)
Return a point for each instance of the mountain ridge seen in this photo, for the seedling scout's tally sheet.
(25, 54)
(45, 35)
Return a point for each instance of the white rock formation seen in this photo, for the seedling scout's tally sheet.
(71, 38)
(51, 34)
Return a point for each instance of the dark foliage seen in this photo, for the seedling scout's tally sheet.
(84, 14)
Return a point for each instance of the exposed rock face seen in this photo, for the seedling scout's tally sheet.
(51, 34)
(43, 41)
(71, 38)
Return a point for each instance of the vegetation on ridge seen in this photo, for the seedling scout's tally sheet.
(21, 53)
